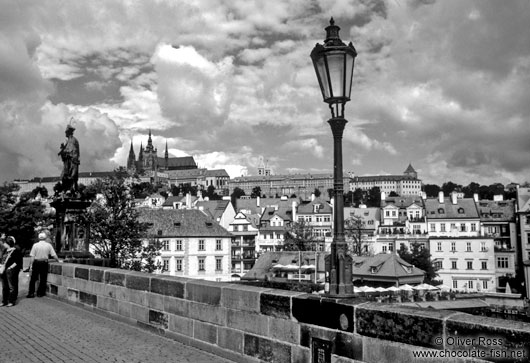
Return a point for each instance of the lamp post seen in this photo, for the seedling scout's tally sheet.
(333, 64)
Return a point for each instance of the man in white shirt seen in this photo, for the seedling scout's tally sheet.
(41, 253)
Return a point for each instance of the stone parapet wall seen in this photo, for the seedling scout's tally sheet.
(252, 324)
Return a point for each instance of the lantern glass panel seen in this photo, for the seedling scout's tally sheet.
(336, 74)
(323, 79)
(349, 74)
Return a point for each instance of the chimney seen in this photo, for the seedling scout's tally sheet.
(423, 195)
(188, 201)
(475, 197)
(312, 196)
(454, 197)
(440, 197)
(294, 211)
(257, 201)
(498, 198)
(383, 196)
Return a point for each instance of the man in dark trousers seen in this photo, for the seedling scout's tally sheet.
(40, 254)
(12, 260)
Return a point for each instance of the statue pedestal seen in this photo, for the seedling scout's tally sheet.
(71, 239)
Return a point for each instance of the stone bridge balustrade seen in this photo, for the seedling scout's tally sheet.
(253, 324)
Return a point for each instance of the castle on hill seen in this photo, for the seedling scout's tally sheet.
(148, 160)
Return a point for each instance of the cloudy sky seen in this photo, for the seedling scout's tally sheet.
(444, 85)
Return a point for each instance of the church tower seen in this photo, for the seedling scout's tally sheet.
(411, 172)
(131, 160)
(166, 158)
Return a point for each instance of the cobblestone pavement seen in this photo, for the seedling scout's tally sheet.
(48, 330)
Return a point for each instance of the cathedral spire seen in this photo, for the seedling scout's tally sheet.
(131, 160)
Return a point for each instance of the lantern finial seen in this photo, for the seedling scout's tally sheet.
(332, 34)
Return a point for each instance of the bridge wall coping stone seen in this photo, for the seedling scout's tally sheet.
(251, 324)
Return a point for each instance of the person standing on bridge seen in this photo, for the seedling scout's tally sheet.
(12, 261)
(40, 254)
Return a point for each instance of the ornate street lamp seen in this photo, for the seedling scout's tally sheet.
(333, 63)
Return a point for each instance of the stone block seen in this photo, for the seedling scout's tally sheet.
(266, 350)
(111, 291)
(248, 322)
(137, 282)
(180, 325)
(114, 277)
(139, 297)
(82, 285)
(284, 330)
(88, 299)
(96, 274)
(158, 318)
(207, 313)
(300, 355)
(177, 306)
(62, 292)
(123, 294)
(155, 301)
(499, 338)
(108, 304)
(99, 288)
(230, 339)
(53, 289)
(402, 324)
(168, 287)
(207, 292)
(324, 312)
(124, 309)
(140, 313)
(72, 295)
(205, 332)
(277, 303)
(240, 297)
(81, 272)
(67, 269)
(55, 268)
(55, 279)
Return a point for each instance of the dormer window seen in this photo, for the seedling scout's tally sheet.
(176, 224)
(373, 269)
(441, 211)
(159, 232)
(209, 224)
(460, 210)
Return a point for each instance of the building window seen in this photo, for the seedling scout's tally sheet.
(245, 228)
(485, 284)
(178, 264)
(433, 227)
(455, 284)
(218, 245)
(165, 245)
(391, 246)
(470, 284)
(483, 247)
(201, 245)
(484, 265)
(218, 264)
(462, 227)
(439, 246)
(201, 263)
(453, 246)
(327, 219)
(473, 227)
(453, 265)
(442, 227)
(178, 245)
(453, 226)
(502, 262)
(165, 264)
(470, 265)
(384, 248)
(468, 246)
(438, 265)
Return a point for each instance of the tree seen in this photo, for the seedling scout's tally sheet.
(449, 187)
(256, 192)
(393, 194)
(374, 197)
(115, 231)
(19, 218)
(353, 228)
(236, 194)
(42, 190)
(358, 196)
(420, 258)
(431, 190)
(317, 192)
(299, 237)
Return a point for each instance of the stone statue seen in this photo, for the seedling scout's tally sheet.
(69, 154)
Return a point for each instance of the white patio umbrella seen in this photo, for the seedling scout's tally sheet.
(369, 289)
(406, 287)
(291, 266)
(443, 287)
(308, 267)
(278, 266)
(380, 289)
(392, 289)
